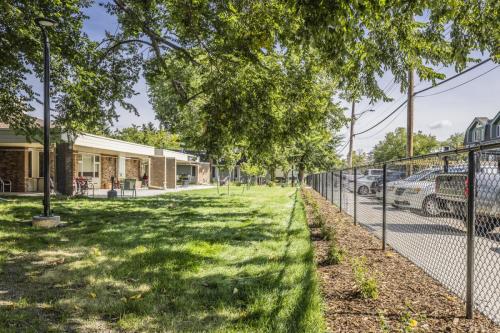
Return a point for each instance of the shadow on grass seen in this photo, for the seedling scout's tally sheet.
(162, 263)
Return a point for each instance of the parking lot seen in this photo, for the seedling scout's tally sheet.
(436, 244)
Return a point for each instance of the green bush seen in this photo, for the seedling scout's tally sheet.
(237, 183)
(327, 232)
(271, 184)
(366, 283)
(335, 254)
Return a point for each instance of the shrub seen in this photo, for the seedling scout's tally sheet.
(327, 232)
(335, 254)
(366, 283)
(271, 184)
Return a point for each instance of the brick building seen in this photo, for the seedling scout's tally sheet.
(96, 158)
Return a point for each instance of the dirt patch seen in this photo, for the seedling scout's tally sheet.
(409, 300)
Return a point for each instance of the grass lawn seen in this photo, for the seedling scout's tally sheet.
(184, 262)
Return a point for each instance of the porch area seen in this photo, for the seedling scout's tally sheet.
(103, 193)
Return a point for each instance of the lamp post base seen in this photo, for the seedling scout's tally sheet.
(46, 221)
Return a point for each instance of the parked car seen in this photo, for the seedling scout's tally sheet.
(418, 191)
(365, 182)
(452, 193)
(392, 177)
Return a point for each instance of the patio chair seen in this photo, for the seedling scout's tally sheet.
(4, 184)
(128, 185)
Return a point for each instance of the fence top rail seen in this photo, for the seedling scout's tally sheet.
(475, 148)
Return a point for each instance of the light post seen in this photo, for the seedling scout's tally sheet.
(354, 117)
(46, 219)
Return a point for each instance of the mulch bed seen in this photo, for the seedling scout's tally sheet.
(406, 292)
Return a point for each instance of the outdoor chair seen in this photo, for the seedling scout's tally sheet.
(83, 186)
(4, 184)
(128, 185)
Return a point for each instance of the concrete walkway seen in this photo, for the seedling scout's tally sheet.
(102, 193)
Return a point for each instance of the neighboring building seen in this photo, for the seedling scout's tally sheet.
(96, 157)
(483, 130)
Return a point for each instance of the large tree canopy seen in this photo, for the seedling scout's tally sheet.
(87, 85)
(254, 77)
(394, 145)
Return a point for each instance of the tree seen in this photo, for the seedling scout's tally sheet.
(394, 145)
(359, 158)
(455, 141)
(86, 84)
(148, 135)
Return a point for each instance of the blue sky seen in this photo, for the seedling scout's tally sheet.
(440, 115)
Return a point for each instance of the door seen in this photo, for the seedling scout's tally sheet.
(89, 166)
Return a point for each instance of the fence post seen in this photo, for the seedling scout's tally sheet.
(332, 186)
(323, 184)
(340, 192)
(326, 185)
(384, 209)
(355, 208)
(471, 214)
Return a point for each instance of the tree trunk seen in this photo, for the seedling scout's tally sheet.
(301, 174)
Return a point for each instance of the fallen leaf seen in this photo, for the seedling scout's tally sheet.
(92, 295)
(135, 296)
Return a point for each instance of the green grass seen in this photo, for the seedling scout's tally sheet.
(185, 262)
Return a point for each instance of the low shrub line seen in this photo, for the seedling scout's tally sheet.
(370, 290)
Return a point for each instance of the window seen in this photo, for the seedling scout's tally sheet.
(478, 134)
(89, 165)
(193, 171)
(497, 131)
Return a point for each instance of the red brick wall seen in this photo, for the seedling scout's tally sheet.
(132, 168)
(109, 169)
(13, 167)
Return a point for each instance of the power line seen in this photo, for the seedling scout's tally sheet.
(461, 84)
(453, 77)
(385, 118)
(425, 89)
(383, 128)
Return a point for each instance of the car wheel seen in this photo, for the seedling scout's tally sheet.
(430, 207)
(363, 190)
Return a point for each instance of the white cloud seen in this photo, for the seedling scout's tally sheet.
(440, 124)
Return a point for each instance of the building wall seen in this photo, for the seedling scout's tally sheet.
(171, 173)
(13, 167)
(133, 168)
(64, 165)
(109, 168)
(157, 178)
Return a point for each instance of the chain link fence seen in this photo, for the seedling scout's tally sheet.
(441, 211)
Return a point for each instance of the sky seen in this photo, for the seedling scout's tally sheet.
(440, 115)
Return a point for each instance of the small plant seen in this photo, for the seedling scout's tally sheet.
(384, 326)
(335, 254)
(408, 319)
(327, 232)
(367, 284)
(408, 322)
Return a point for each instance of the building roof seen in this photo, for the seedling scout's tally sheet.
(101, 143)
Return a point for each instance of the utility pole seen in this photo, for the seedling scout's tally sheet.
(351, 136)
(409, 120)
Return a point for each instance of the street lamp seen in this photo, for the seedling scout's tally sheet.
(354, 117)
(47, 219)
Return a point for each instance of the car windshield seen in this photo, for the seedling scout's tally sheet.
(420, 175)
